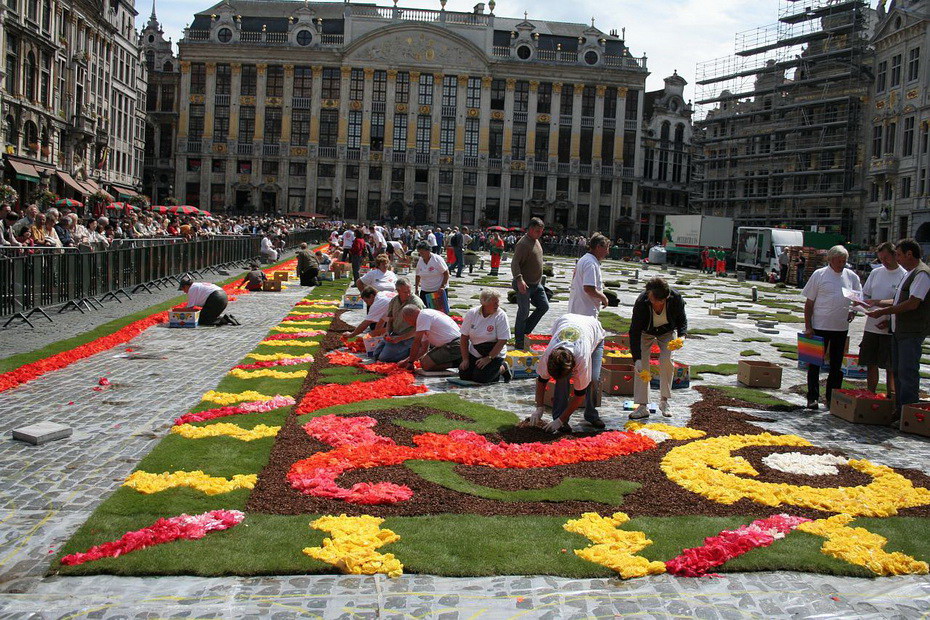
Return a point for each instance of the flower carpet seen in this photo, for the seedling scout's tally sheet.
(306, 460)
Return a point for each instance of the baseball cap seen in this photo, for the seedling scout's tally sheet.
(185, 280)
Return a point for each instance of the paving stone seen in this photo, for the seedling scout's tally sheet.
(41, 432)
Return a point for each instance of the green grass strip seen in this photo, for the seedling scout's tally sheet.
(710, 331)
(752, 395)
(713, 369)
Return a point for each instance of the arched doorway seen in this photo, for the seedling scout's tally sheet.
(420, 212)
(396, 210)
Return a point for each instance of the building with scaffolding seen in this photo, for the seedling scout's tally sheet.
(781, 123)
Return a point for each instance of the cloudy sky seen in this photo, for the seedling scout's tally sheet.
(673, 34)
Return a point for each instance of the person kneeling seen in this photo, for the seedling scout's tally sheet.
(377, 302)
(572, 359)
(399, 338)
(433, 329)
(485, 332)
(211, 300)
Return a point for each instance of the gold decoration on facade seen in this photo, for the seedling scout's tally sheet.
(438, 77)
(273, 101)
(289, 70)
(474, 112)
(543, 118)
(271, 180)
(185, 66)
(211, 68)
(600, 90)
(445, 160)
(260, 68)
(425, 109)
(375, 156)
(317, 70)
(219, 147)
(197, 99)
(346, 72)
(557, 88)
(497, 115)
(368, 72)
(235, 68)
(245, 179)
(880, 104)
(534, 86)
(912, 94)
(246, 100)
(355, 105)
(392, 74)
(486, 81)
(463, 80)
(400, 107)
(330, 103)
(511, 83)
(414, 76)
(298, 151)
(622, 91)
(518, 165)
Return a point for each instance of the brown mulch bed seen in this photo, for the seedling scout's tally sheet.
(658, 495)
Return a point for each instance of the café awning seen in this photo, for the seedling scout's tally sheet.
(24, 171)
(125, 192)
(68, 180)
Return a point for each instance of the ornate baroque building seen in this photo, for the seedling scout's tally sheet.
(363, 112)
(899, 140)
(72, 86)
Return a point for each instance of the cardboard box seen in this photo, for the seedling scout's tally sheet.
(618, 379)
(680, 380)
(852, 369)
(549, 394)
(371, 343)
(272, 286)
(915, 419)
(283, 276)
(523, 363)
(759, 374)
(353, 301)
(327, 276)
(177, 318)
(858, 410)
(622, 340)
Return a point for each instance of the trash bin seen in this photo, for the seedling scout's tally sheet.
(615, 252)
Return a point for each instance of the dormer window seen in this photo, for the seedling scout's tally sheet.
(224, 35)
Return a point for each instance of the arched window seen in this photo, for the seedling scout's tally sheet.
(679, 133)
(666, 130)
(29, 75)
(44, 141)
(168, 66)
(32, 133)
(150, 60)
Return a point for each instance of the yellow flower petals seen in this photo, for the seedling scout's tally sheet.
(674, 432)
(301, 326)
(708, 467)
(289, 343)
(677, 343)
(861, 547)
(225, 429)
(228, 398)
(267, 372)
(614, 548)
(352, 546)
(645, 376)
(273, 357)
(147, 483)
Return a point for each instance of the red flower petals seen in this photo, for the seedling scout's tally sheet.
(863, 394)
(331, 394)
(313, 315)
(182, 527)
(257, 406)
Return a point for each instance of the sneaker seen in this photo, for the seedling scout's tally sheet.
(233, 320)
(663, 407)
(598, 423)
(640, 413)
(813, 405)
(506, 373)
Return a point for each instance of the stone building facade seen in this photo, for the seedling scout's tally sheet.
(899, 140)
(72, 87)
(361, 112)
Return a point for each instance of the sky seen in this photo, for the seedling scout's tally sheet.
(673, 34)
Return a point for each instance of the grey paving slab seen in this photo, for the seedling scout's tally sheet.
(47, 492)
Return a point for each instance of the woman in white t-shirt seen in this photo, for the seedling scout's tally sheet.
(381, 278)
(485, 332)
(432, 277)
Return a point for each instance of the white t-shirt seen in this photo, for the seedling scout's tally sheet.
(919, 288)
(831, 307)
(579, 334)
(379, 238)
(431, 273)
(431, 240)
(587, 273)
(439, 327)
(334, 238)
(380, 280)
(379, 306)
(199, 291)
(347, 238)
(881, 284)
(480, 328)
(659, 318)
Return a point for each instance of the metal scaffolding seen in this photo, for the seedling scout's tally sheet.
(780, 122)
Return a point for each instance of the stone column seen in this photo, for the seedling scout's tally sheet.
(461, 113)
(235, 88)
(286, 108)
(554, 113)
(184, 101)
(366, 109)
(261, 70)
(209, 102)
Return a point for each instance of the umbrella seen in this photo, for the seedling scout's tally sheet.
(159, 208)
(497, 229)
(117, 206)
(184, 209)
(68, 202)
(514, 229)
(207, 213)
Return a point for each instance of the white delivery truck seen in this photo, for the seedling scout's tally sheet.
(687, 235)
(758, 248)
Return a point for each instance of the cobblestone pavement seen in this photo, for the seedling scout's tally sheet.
(18, 337)
(48, 491)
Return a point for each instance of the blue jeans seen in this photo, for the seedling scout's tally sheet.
(905, 359)
(393, 351)
(562, 388)
(526, 322)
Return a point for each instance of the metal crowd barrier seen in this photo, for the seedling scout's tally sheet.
(31, 283)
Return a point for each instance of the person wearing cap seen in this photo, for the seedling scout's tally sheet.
(254, 278)
(211, 300)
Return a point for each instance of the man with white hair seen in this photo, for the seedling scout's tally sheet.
(827, 313)
(435, 331)
(485, 332)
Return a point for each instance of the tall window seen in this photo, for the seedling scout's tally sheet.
(332, 78)
(402, 87)
(355, 129)
(300, 127)
(496, 140)
(400, 131)
(198, 78)
(521, 96)
(329, 127)
(249, 80)
(890, 137)
(425, 92)
(377, 131)
(449, 91)
(424, 126)
(913, 64)
(881, 77)
(544, 98)
(167, 98)
(587, 101)
(45, 80)
(223, 79)
(895, 69)
(447, 136)
(907, 148)
(498, 90)
(610, 102)
(12, 65)
(274, 82)
(542, 142)
(379, 86)
(518, 145)
(303, 82)
(567, 100)
(356, 85)
(220, 123)
(47, 16)
(877, 141)
(195, 127)
(246, 123)
(473, 93)
(272, 124)
(471, 137)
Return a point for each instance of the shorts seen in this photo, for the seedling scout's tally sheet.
(875, 350)
(447, 355)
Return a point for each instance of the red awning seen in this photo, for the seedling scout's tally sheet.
(68, 180)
